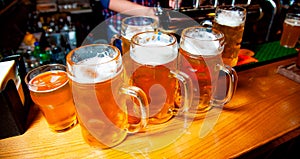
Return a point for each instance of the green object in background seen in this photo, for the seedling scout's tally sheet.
(272, 51)
(266, 53)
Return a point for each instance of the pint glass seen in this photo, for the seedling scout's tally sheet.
(200, 57)
(230, 20)
(291, 30)
(133, 25)
(50, 90)
(97, 80)
(152, 66)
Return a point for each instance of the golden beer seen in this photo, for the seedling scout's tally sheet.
(230, 21)
(203, 75)
(106, 125)
(97, 82)
(51, 92)
(200, 57)
(125, 44)
(291, 30)
(153, 58)
(159, 85)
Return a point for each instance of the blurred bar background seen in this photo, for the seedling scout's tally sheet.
(264, 19)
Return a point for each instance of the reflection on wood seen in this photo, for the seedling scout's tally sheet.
(264, 110)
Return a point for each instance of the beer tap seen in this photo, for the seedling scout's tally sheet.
(176, 8)
(172, 20)
(215, 3)
(196, 4)
(158, 9)
(274, 9)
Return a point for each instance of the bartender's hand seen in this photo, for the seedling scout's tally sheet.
(172, 3)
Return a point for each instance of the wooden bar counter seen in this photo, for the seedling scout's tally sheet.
(264, 113)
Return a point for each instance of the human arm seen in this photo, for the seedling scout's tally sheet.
(130, 8)
(172, 3)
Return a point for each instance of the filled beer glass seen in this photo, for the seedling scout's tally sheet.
(133, 25)
(291, 30)
(200, 57)
(50, 90)
(152, 66)
(97, 80)
(230, 20)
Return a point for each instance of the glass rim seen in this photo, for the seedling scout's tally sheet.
(132, 17)
(173, 42)
(231, 8)
(217, 34)
(70, 62)
(293, 15)
(44, 69)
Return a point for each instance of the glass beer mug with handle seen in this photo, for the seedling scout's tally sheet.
(200, 56)
(152, 66)
(97, 80)
(131, 26)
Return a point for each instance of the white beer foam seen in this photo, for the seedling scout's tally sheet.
(292, 22)
(206, 44)
(154, 54)
(94, 70)
(232, 18)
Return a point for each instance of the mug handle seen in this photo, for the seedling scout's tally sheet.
(188, 91)
(114, 38)
(142, 100)
(206, 23)
(232, 84)
(113, 41)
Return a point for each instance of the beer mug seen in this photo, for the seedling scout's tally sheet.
(200, 57)
(291, 30)
(152, 66)
(133, 25)
(97, 80)
(230, 20)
